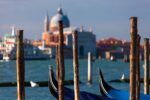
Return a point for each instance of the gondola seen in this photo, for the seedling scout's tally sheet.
(69, 93)
(110, 92)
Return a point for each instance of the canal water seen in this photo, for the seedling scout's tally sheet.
(38, 71)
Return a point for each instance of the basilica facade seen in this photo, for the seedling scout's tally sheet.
(86, 38)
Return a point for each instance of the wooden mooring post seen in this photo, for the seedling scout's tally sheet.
(76, 66)
(61, 63)
(138, 68)
(57, 62)
(146, 66)
(89, 68)
(133, 46)
(20, 66)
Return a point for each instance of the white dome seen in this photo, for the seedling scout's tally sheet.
(54, 23)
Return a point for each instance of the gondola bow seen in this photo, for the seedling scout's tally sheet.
(69, 93)
(110, 92)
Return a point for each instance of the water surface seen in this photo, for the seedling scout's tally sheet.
(38, 71)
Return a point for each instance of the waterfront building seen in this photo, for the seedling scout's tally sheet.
(120, 49)
(113, 47)
(86, 38)
(8, 48)
(8, 42)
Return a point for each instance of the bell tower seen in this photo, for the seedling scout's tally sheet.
(46, 23)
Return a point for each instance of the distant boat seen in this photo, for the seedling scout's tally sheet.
(30, 53)
(6, 57)
(112, 58)
(110, 92)
(69, 93)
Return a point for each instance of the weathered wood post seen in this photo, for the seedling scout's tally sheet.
(61, 63)
(20, 66)
(138, 68)
(133, 34)
(89, 68)
(76, 66)
(57, 62)
(146, 66)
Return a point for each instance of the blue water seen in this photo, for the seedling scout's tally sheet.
(38, 71)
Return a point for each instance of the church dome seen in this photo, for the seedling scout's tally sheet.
(55, 19)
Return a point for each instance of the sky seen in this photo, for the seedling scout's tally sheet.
(108, 18)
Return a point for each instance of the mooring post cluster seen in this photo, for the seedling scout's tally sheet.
(60, 67)
(135, 63)
(60, 70)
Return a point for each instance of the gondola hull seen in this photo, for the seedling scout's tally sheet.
(69, 93)
(110, 92)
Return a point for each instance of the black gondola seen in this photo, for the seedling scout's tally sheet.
(69, 93)
(110, 92)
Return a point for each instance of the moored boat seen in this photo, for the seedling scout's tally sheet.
(69, 93)
(110, 92)
(6, 57)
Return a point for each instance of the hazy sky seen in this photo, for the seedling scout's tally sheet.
(109, 18)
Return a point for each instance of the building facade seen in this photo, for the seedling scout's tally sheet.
(86, 39)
